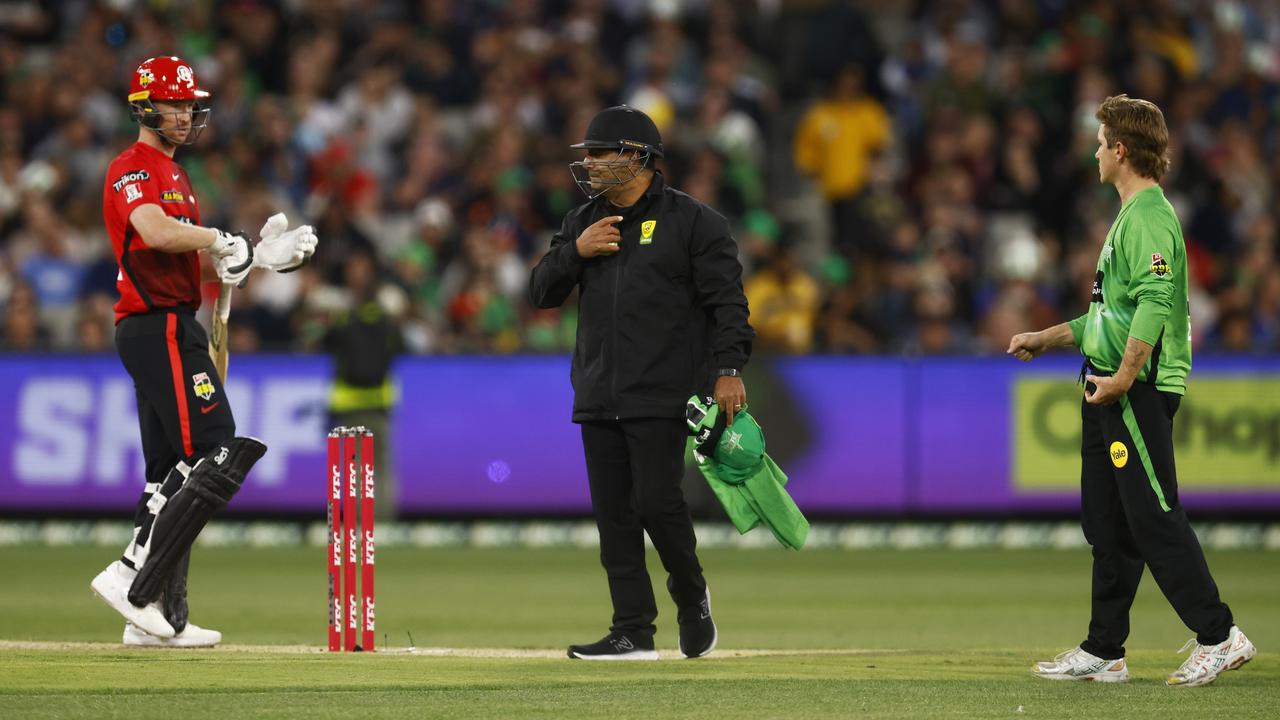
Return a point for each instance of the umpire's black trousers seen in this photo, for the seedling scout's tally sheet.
(1131, 517)
(634, 468)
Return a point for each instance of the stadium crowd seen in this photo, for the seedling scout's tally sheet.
(902, 177)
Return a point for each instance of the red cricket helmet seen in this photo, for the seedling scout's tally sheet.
(164, 79)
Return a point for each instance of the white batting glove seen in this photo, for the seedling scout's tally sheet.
(227, 244)
(233, 257)
(284, 250)
(274, 225)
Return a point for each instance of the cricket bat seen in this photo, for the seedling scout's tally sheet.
(218, 333)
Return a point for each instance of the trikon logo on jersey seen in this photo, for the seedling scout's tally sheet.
(129, 177)
(172, 196)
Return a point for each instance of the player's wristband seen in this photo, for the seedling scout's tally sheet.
(729, 372)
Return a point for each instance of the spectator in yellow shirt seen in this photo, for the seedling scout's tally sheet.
(784, 304)
(836, 143)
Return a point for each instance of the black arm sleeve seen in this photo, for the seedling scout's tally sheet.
(558, 271)
(717, 277)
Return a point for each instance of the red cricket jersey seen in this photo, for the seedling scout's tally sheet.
(149, 279)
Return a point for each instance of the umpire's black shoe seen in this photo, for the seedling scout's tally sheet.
(697, 629)
(616, 646)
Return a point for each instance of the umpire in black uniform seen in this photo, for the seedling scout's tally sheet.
(661, 316)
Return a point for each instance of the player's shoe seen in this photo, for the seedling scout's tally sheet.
(112, 585)
(1207, 662)
(697, 630)
(615, 646)
(1076, 664)
(192, 636)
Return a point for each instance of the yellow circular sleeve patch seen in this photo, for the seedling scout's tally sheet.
(1119, 454)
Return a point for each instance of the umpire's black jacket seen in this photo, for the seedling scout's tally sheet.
(658, 318)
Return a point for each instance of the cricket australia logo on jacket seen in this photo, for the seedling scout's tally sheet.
(646, 231)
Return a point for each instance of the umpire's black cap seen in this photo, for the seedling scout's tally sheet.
(622, 127)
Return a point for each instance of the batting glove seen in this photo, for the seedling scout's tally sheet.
(234, 257)
(284, 250)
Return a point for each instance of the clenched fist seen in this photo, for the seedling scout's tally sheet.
(1026, 346)
(731, 396)
(601, 238)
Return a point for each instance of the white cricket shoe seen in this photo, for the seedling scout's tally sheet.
(192, 636)
(1076, 664)
(1207, 662)
(112, 585)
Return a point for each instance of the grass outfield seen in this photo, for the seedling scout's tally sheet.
(813, 634)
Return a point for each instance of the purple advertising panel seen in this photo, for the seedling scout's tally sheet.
(69, 437)
(836, 426)
(492, 436)
(488, 435)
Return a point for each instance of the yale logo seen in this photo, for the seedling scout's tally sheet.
(171, 196)
(1119, 454)
(646, 231)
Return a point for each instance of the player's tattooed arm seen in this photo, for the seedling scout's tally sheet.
(1110, 389)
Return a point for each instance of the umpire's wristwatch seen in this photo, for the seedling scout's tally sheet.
(729, 372)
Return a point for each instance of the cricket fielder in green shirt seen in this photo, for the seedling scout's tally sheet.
(1136, 342)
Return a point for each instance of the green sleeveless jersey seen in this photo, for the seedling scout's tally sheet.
(1140, 291)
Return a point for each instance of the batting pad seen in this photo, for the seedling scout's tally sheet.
(212, 483)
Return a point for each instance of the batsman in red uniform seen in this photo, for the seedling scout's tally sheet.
(194, 461)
